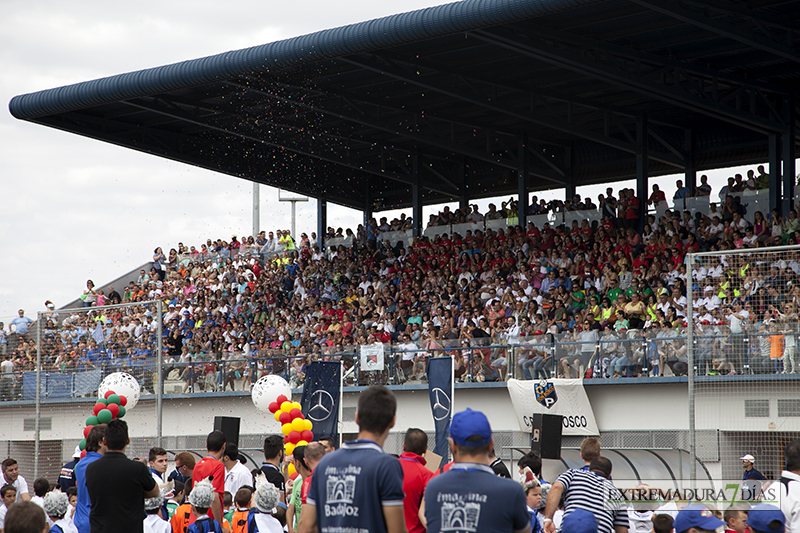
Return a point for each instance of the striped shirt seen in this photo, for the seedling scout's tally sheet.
(591, 491)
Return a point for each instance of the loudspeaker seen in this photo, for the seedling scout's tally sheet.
(546, 435)
(229, 426)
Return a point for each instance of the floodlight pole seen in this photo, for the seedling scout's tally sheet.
(294, 210)
(256, 208)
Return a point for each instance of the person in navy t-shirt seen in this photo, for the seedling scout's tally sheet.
(359, 487)
(470, 497)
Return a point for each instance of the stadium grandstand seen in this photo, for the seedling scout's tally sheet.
(456, 103)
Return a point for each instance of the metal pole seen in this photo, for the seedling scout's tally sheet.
(341, 399)
(294, 213)
(37, 428)
(690, 371)
(256, 209)
(160, 374)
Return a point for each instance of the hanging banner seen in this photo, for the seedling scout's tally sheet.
(565, 397)
(371, 357)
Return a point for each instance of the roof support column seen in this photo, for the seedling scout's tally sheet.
(690, 173)
(322, 223)
(775, 172)
(522, 181)
(367, 208)
(416, 195)
(569, 178)
(641, 169)
(789, 154)
(463, 199)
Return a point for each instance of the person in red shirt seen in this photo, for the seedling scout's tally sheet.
(312, 456)
(211, 466)
(415, 477)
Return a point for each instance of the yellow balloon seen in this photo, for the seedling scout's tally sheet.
(286, 429)
(302, 443)
(309, 424)
(292, 470)
(296, 405)
(277, 416)
(286, 407)
(289, 447)
(298, 424)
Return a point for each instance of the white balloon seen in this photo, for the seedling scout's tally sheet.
(123, 384)
(267, 389)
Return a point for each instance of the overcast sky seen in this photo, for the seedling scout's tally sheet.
(75, 208)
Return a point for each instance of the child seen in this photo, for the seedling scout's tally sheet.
(56, 505)
(176, 499)
(240, 514)
(183, 513)
(227, 503)
(776, 347)
(201, 498)
(266, 499)
(735, 520)
(9, 495)
(154, 522)
(72, 494)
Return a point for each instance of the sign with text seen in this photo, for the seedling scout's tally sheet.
(565, 397)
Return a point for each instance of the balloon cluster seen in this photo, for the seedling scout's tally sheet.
(295, 427)
(104, 411)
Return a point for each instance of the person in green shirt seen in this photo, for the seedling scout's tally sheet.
(614, 291)
(578, 298)
(295, 502)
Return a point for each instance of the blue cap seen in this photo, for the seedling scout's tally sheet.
(696, 515)
(468, 424)
(579, 521)
(766, 518)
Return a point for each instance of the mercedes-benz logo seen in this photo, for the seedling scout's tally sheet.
(321, 405)
(441, 404)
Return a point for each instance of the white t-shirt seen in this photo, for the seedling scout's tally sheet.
(268, 523)
(153, 523)
(22, 487)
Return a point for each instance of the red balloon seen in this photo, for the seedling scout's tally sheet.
(307, 435)
(294, 476)
(109, 393)
(273, 407)
(123, 401)
(284, 418)
(295, 437)
(83, 454)
(286, 439)
(97, 408)
(296, 413)
(114, 408)
(282, 398)
(86, 431)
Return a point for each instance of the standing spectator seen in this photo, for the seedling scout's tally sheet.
(11, 477)
(681, 192)
(66, 478)
(704, 189)
(313, 455)
(210, 465)
(415, 477)
(160, 263)
(790, 487)
(657, 197)
(95, 449)
(184, 465)
(750, 472)
(118, 486)
(469, 496)
(157, 458)
(21, 325)
(236, 474)
(589, 490)
(7, 379)
(273, 460)
(89, 295)
(360, 478)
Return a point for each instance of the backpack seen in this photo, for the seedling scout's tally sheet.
(56, 529)
(206, 525)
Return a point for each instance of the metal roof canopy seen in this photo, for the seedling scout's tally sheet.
(466, 100)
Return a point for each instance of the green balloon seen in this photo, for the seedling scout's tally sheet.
(93, 420)
(121, 411)
(82, 445)
(104, 401)
(114, 398)
(105, 416)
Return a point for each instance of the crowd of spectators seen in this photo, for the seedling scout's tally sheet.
(599, 299)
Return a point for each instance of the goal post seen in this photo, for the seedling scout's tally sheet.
(742, 355)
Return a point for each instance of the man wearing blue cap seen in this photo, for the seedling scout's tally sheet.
(696, 518)
(470, 497)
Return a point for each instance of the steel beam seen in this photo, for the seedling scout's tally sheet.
(775, 173)
(322, 223)
(416, 196)
(641, 169)
(789, 155)
(522, 181)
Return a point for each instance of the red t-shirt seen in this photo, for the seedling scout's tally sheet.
(415, 478)
(208, 466)
(304, 488)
